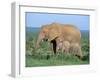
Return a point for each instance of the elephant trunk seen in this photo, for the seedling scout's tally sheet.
(37, 43)
(39, 39)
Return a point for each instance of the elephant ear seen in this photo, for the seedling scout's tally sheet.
(53, 34)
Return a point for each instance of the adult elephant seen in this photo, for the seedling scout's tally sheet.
(52, 32)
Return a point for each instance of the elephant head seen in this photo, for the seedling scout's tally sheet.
(48, 33)
(42, 35)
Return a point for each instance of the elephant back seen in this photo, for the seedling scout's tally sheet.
(71, 33)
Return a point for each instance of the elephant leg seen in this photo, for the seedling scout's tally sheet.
(57, 49)
(54, 46)
(67, 50)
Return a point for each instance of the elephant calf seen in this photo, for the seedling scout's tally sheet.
(67, 47)
(62, 45)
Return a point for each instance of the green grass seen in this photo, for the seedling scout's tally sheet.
(45, 57)
(53, 60)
